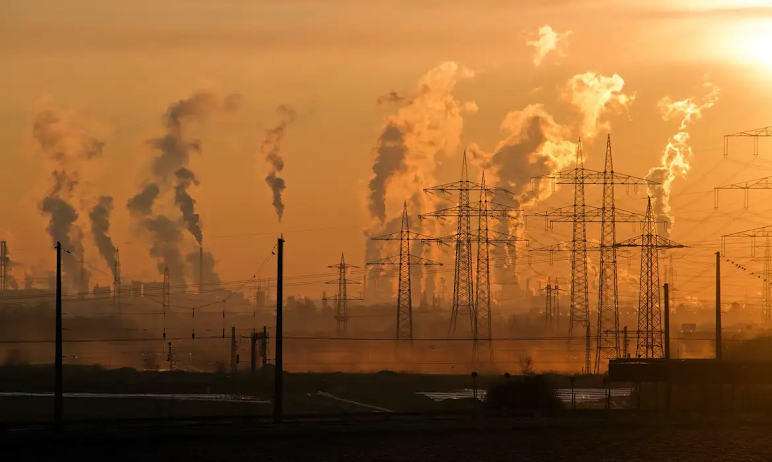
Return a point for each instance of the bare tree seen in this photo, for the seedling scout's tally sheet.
(526, 365)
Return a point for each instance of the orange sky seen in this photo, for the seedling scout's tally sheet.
(116, 66)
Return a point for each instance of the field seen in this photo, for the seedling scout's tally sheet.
(482, 440)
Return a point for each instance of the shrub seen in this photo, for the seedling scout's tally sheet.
(530, 393)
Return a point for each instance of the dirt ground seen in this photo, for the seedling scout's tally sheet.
(545, 442)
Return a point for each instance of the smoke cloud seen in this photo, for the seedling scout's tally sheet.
(211, 278)
(68, 150)
(406, 150)
(595, 95)
(171, 170)
(390, 97)
(100, 226)
(186, 203)
(545, 40)
(675, 159)
(271, 152)
(535, 145)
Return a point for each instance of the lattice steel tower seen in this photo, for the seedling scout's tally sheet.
(482, 318)
(341, 298)
(463, 302)
(4, 265)
(607, 339)
(579, 314)
(404, 261)
(649, 303)
(548, 319)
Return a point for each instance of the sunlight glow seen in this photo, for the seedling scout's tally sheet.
(751, 43)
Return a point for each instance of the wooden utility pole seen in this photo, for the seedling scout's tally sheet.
(718, 305)
(277, 381)
(58, 399)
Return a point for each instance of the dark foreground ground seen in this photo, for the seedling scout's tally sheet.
(482, 440)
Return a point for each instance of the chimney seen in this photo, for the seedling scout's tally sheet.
(201, 270)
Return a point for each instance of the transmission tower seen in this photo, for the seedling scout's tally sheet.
(649, 304)
(549, 322)
(755, 134)
(341, 298)
(766, 289)
(463, 287)
(117, 281)
(607, 337)
(404, 261)
(4, 265)
(166, 298)
(757, 184)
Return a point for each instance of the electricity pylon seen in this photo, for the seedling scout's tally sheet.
(649, 303)
(759, 183)
(464, 304)
(607, 337)
(755, 134)
(766, 289)
(549, 322)
(341, 298)
(166, 297)
(404, 261)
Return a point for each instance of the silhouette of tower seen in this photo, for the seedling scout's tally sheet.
(404, 261)
(166, 296)
(608, 300)
(649, 303)
(341, 298)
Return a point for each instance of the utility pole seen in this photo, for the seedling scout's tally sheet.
(718, 306)
(278, 391)
(548, 315)
(404, 261)
(607, 332)
(464, 304)
(4, 265)
(117, 282)
(58, 366)
(666, 288)
(341, 299)
(649, 343)
(166, 297)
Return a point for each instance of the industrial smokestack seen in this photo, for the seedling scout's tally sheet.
(200, 270)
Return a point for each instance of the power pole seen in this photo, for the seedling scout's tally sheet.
(649, 308)
(234, 353)
(556, 304)
(755, 134)
(548, 315)
(4, 265)
(404, 261)
(463, 304)
(718, 306)
(58, 366)
(117, 282)
(766, 290)
(166, 297)
(341, 299)
(607, 331)
(278, 390)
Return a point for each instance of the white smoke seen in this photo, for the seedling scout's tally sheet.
(545, 40)
(595, 95)
(675, 159)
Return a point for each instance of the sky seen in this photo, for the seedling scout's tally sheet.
(111, 70)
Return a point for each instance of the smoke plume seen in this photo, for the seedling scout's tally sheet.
(406, 150)
(535, 145)
(100, 226)
(390, 97)
(595, 95)
(142, 202)
(271, 152)
(186, 203)
(171, 170)
(67, 150)
(675, 159)
(545, 40)
(210, 275)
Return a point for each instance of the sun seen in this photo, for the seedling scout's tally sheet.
(753, 43)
